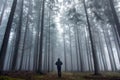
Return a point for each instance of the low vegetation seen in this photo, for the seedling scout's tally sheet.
(65, 76)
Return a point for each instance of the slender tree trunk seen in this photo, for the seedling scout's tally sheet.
(25, 35)
(45, 53)
(71, 49)
(41, 39)
(79, 48)
(6, 36)
(101, 63)
(37, 38)
(17, 41)
(77, 55)
(96, 65)
(65, 50)
(49, 44)
(30, 50)
(88, 51)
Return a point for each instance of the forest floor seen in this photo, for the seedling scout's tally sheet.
(65, 76)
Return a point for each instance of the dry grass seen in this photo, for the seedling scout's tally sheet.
(65, 76)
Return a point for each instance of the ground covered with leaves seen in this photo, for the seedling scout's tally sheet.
(65, 76)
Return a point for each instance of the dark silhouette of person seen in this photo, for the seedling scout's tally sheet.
(59, 64)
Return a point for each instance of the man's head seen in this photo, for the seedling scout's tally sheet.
(58, 59)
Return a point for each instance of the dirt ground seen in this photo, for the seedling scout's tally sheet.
(65, 76)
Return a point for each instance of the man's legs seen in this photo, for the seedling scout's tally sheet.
(59, 73)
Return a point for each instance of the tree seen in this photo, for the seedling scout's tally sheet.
(96, 66)
(70, 48)
(17, 41)
(41, 38)
(64, 50)
(37, 35)
(25, 35)
(7, 34)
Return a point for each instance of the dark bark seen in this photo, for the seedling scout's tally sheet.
(96, 65)
(17, 41)
(41, 39)
(37, 39)
(88, 51)
(6, 35)
(25, 34)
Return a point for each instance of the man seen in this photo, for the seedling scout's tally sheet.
(59, 64)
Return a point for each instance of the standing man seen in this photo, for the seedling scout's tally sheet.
(59, 64)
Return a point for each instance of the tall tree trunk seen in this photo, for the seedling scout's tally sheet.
(79, 48)
(76, 49)
(25, 34)
(45, 53)
(70, 49)
(96, 65)
(41, 39)
(49, 44)
(37, 38)
(88, 51)
(65, 50)
(17, 41)
(6, 36)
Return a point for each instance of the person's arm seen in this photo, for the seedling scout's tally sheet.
(56, 63)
